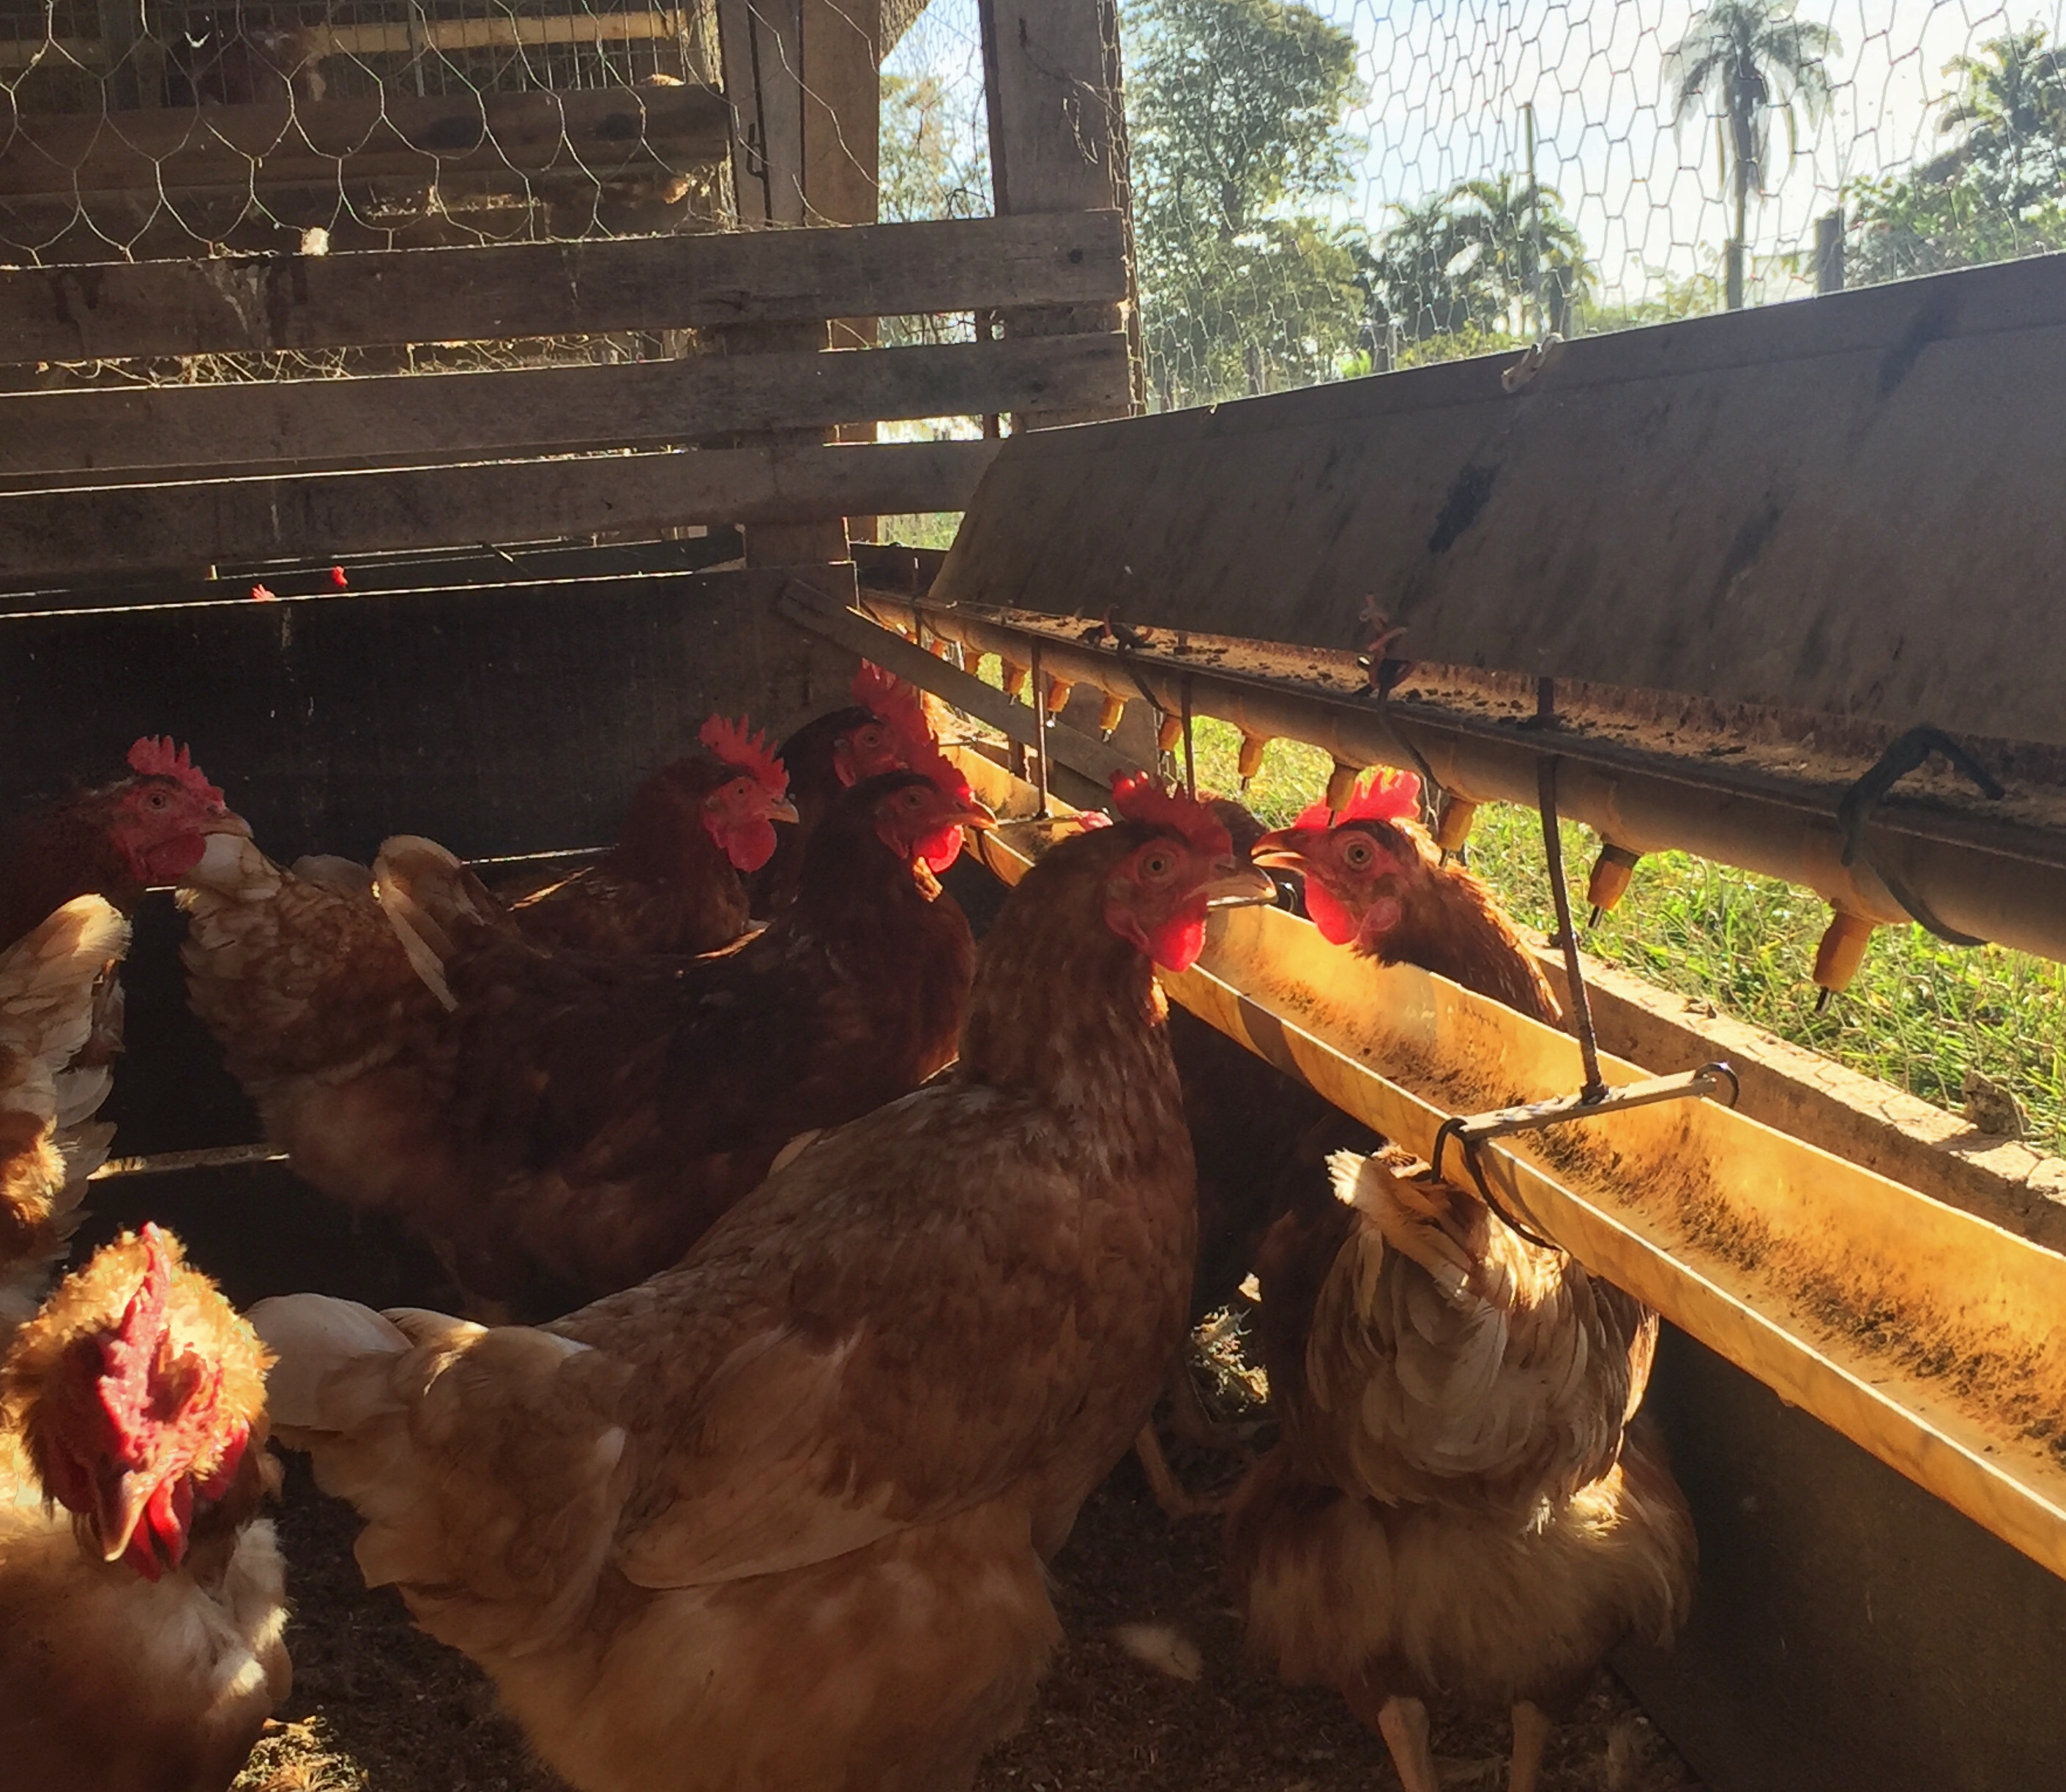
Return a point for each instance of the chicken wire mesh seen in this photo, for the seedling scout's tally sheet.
(1331, 187)
(105, 150)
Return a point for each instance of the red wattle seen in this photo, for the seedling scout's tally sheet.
(749, 845)
(170, 860)
(1175, 945)
(1337, 925)
(942, 850)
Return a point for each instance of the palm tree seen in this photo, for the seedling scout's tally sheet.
(1747, 60)
(1528, 250)
(2012, 94)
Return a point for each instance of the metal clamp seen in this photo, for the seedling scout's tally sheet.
(1471, 1130)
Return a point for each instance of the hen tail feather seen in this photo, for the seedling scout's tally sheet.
(433, 902)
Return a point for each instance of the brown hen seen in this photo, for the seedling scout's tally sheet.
(1460, 1505)
(673, 881)
(778, 1517)
(142, 1599)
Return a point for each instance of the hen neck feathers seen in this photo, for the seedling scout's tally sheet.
(1454, 927)
(1064, 1009)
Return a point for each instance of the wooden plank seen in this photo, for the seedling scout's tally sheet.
(68, 533)
(499, 719)
(398, 419)
(819, 613)
(842, 160)
(1849, 1632)
(1841, 507)
(596, 133)
(243, 305)
(1057, 137)
(760, 43)
(400, 37)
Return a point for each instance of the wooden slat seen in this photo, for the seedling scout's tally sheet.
(247, 305)
(108, 528)
(1844, 506)
(397, 419)
(597, 133)
(1057, 138)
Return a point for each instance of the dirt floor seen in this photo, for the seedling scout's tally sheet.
(378, 1706)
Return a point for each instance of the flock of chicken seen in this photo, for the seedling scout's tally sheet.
(887, 1248)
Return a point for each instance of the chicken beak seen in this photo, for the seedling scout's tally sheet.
(117, 1511)
(782, 810)
(1280, 850)
(1243, 887)
(973, 813)
(229, 822)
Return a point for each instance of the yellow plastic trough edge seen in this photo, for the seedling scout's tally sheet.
(1255, 957)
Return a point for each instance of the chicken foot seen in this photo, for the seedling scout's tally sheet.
(1532, 1726)
(1402, 1723)
(1189, 1418)
(1162, 1482)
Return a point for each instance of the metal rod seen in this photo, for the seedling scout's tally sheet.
(1567, 935)
(1190, 751)
(1037, 687)
(1979, 876)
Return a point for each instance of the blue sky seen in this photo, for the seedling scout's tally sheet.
(1446, 81)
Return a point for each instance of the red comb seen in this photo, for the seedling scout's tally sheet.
(1383, 794)
(898, 703)
(131, 1353)
(751, 752)
(1139, 796)
(155, 756)
(338, 580)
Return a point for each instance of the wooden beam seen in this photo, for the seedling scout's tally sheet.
(600, 133)
(1057, 136)
(842, 158)
(760, 43)
(286, 426)
(236, 304)
(63, 533)
(837, 621)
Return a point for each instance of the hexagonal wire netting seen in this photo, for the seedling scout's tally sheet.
(1324, 189)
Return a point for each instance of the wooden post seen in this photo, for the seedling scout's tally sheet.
(1057, 141)
(1829, 252)
(842, 114)
(803, 79)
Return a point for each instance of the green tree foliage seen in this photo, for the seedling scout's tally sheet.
(933, 165)
(1478, 266)
(1999, 193)
(1235, 109)
(1744, 60)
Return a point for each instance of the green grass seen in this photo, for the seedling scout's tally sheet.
(1917, 1014)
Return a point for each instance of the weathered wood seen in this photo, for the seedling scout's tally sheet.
(595, 134)
(760, 43)
(842, 157)
(56, 533)
(498, 719)
(1840, 507)
(1057, 137)
(248, 305)
(1849, 1633)
(396, 420)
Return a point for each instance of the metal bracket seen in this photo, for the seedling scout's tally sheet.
(1471, 1130)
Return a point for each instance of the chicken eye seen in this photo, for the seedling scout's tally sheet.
(1155, 866)
(1358, 855)
(157, 800)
